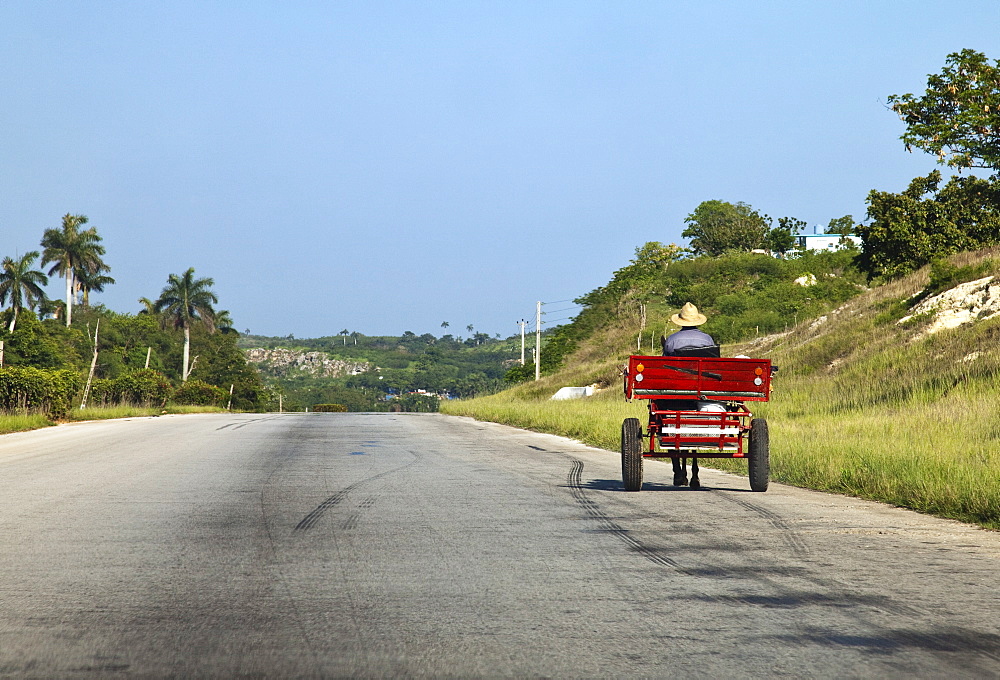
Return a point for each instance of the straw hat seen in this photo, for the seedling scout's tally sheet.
(689, 316)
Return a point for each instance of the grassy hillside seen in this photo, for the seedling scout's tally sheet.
(863, 404)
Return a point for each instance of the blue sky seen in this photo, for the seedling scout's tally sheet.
(386, 166)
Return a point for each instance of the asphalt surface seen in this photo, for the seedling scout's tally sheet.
(398, 545)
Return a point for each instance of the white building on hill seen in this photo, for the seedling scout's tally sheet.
(824, 241)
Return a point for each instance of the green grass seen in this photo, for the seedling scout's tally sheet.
(22, 423)
(111, 412)
(862, 405)
(34, 421)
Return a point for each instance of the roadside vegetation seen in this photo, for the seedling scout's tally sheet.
(35, 421)
(67, 359)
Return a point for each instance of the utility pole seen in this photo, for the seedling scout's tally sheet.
(538, 340)
(522, 323)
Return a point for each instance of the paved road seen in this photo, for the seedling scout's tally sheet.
(324, 545)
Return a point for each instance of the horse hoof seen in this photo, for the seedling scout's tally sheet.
(680, 480)
(695, 484)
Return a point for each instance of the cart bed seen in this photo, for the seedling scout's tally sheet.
(712, 379)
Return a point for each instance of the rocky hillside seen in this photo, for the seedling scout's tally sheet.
(281, 362)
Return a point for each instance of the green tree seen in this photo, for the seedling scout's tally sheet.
(716, 227)
(73, 251)
(910, 229)
(781, 238)
(958, 117)
(22, 285)
(224, 322)
(841, 225)
(187, 300)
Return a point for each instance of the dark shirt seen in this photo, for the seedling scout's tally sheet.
(686, 337)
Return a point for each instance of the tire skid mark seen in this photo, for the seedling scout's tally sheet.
(255, 420)
(282, 577)
(352, 520)
(314, 516)
(309, 520)
(575, 481)
(789, 535)
(237, 426)
(784, 598)
(801, 551)
(792, 599)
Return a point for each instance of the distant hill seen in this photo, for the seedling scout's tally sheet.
(378, 373)
(280, 362)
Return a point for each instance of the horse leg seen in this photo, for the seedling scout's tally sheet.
(695, 482)
(680, 471)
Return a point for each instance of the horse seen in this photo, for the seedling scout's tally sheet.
(680, 464)
(680, 473)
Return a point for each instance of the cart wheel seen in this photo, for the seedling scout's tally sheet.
(631, 454)
(759, 455)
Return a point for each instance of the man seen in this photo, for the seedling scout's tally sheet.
(686, 341)
(689, 342)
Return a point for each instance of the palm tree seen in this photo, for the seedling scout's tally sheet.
(224, 322)
(149, 309)
(22, 285)
(186, 300)
(87, 281)
(73, 252)
(51, 308)
(148, 306)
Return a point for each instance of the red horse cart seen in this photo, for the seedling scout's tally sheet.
(720, 427)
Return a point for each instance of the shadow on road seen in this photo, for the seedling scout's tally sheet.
(618, 485)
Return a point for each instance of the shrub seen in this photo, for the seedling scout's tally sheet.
(144, 386)
(102, 392)
(418, 403)
(329, 408)
(39, 390)
(200, 393)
